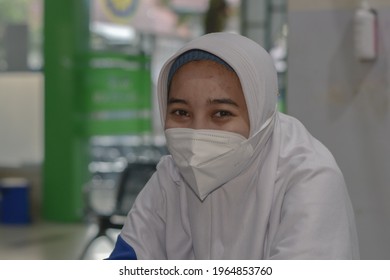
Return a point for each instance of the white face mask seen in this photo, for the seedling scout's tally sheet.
(207, 158)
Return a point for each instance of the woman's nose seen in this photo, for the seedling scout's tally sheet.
(199, 123)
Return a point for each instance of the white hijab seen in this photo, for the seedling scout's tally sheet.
(290, 203)
(252, 64)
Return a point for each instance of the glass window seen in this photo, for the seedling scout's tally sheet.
(21, 35)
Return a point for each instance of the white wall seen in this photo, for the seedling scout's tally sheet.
(346, 105)
(21, 118)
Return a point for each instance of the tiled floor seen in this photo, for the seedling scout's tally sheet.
(51, 241)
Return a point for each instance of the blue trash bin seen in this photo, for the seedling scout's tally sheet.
(14, 201)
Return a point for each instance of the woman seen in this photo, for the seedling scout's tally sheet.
(243, 181)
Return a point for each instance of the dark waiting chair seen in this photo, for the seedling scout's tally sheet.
(131, 181)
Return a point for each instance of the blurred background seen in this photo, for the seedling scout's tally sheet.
(78, 104)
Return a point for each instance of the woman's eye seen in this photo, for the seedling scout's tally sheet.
(221, 114)
(181, 113)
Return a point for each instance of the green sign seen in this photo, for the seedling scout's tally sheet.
(118, 92)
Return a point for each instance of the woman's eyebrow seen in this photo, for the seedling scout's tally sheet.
(223, 101)
(173, 100)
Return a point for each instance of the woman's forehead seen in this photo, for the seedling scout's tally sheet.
(204, 70)
(194, 55)
(208, 80)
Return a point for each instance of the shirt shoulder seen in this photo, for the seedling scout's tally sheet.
(167, 170)
(304, 161)
(296, 142)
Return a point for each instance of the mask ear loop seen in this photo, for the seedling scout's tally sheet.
(268, 123)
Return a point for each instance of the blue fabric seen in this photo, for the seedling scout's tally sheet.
(192, 55)
(122, 251)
